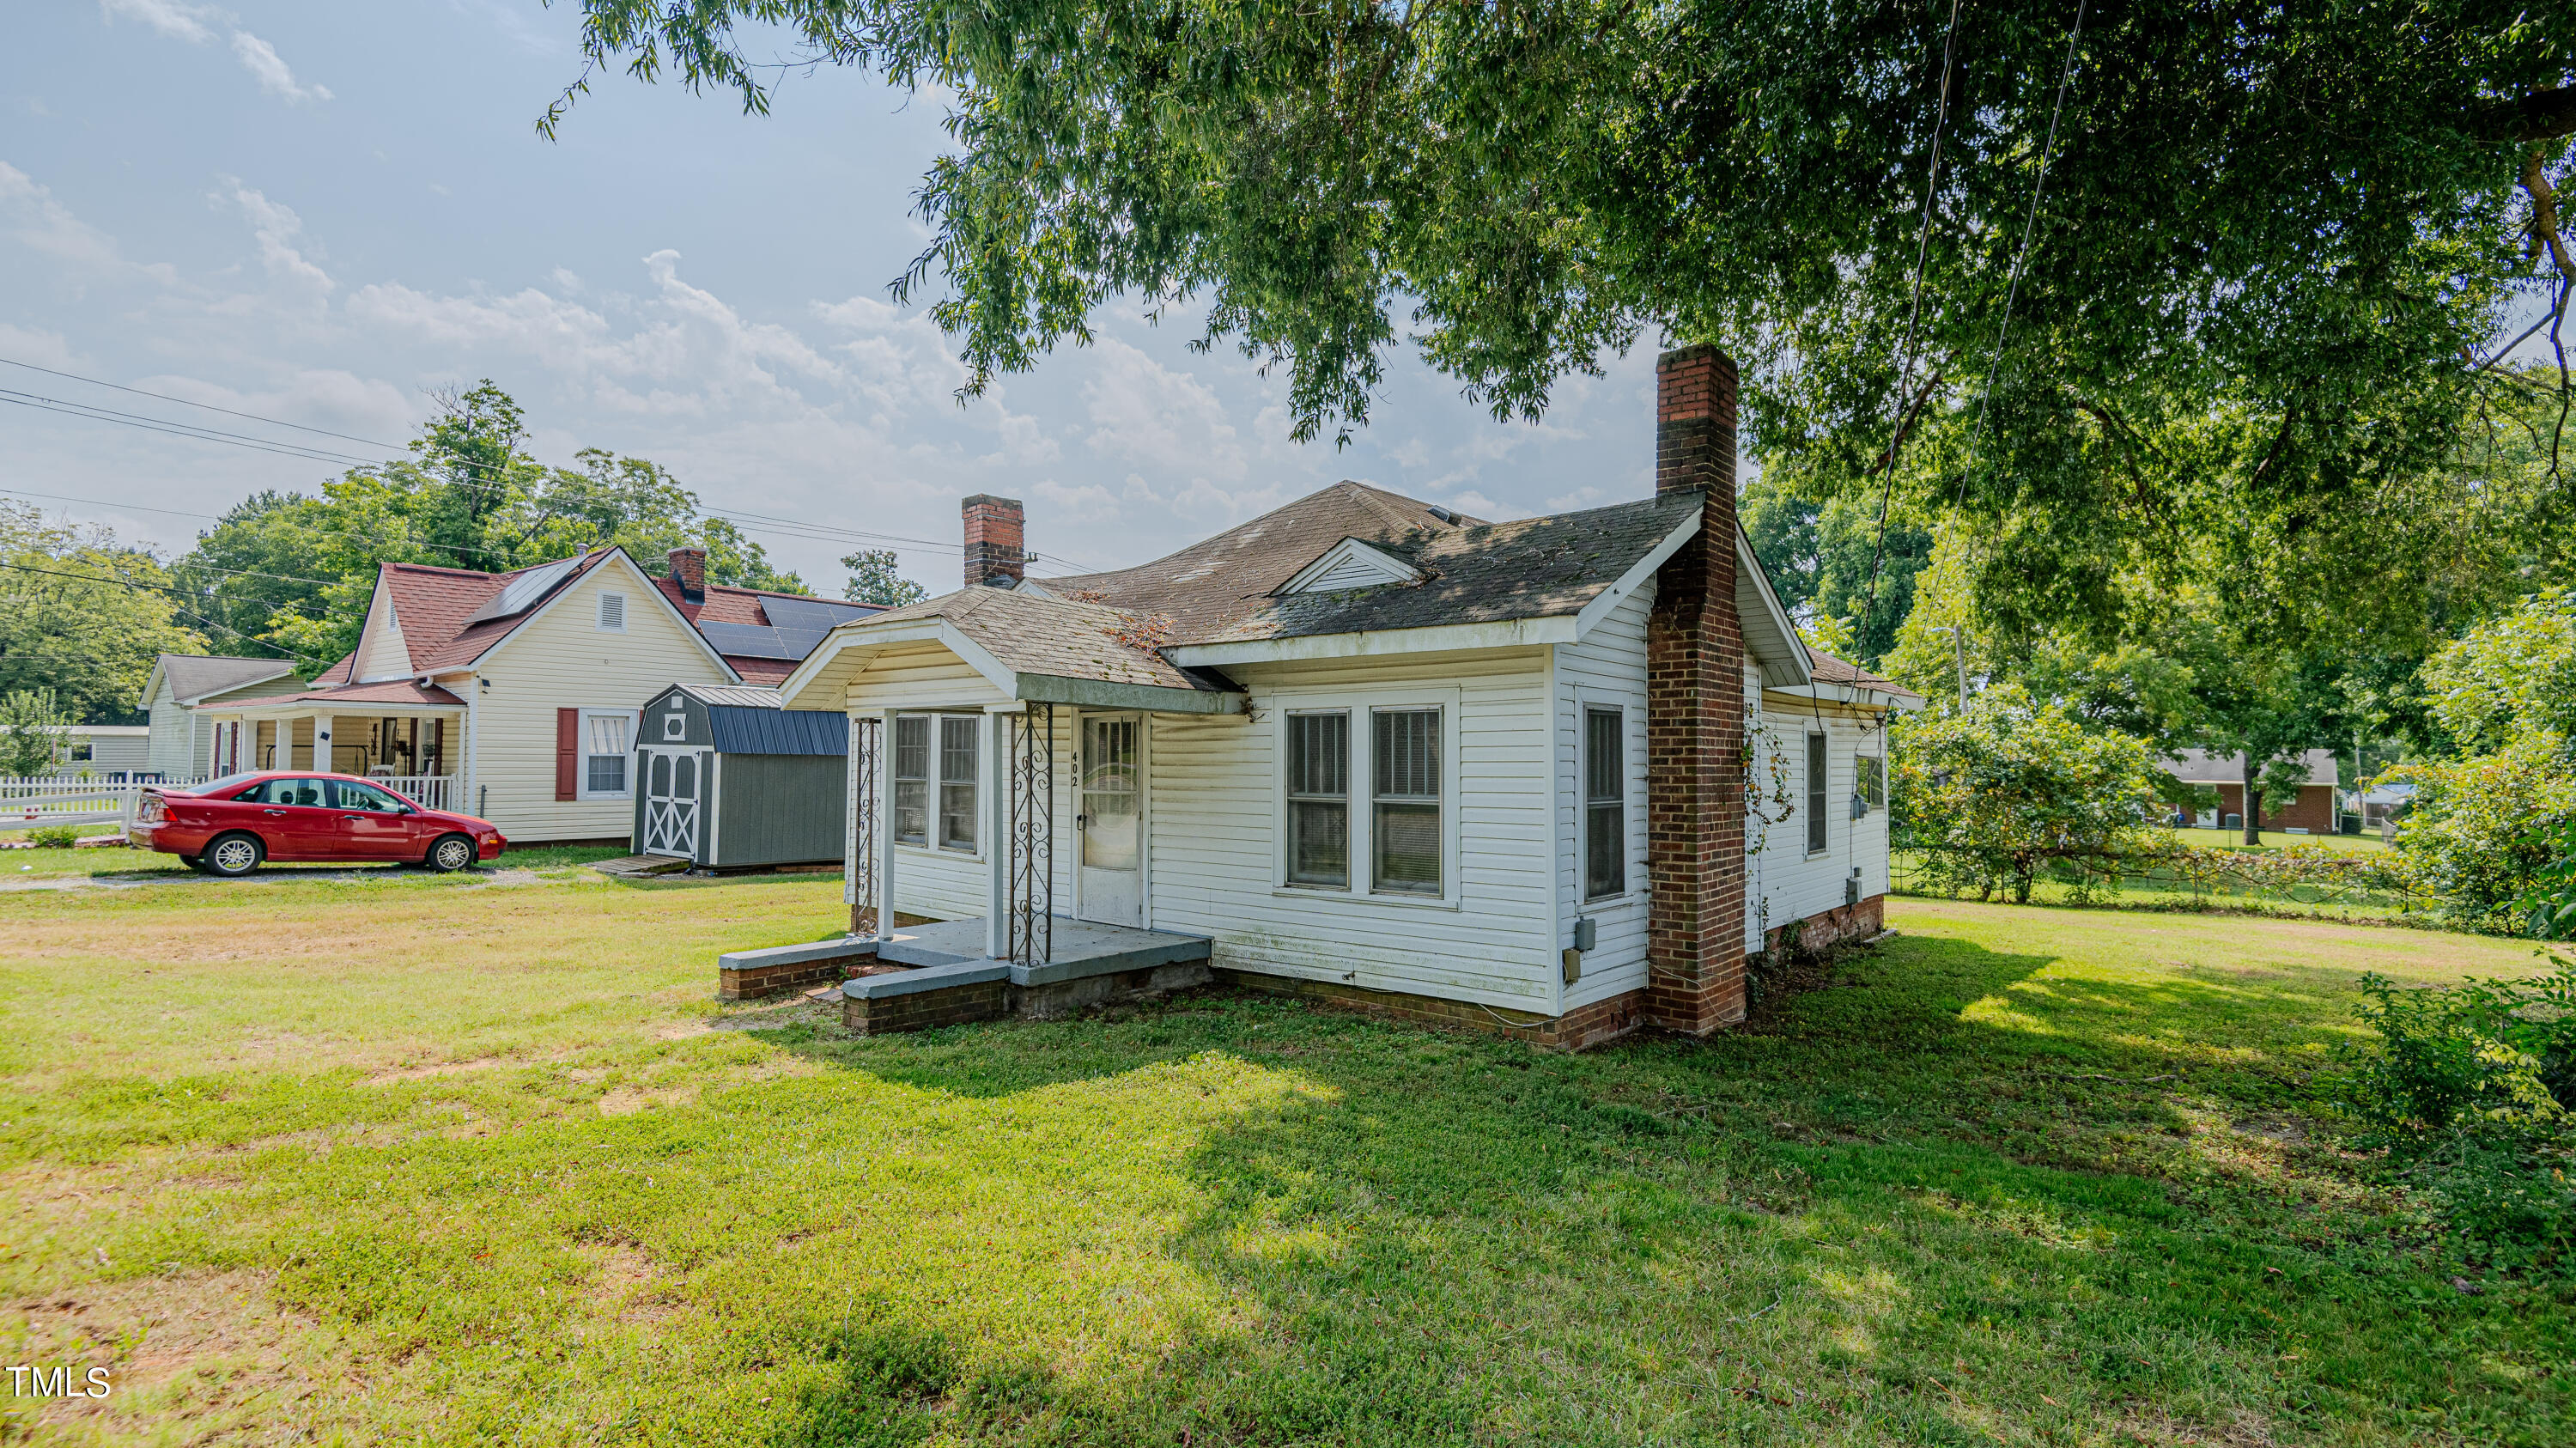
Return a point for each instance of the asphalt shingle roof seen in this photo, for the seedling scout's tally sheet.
(1831, 670)
(194, 676)
(1030, 633)
(1226, 589)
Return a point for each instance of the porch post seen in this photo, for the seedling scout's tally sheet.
(996, 786)
(885, 824)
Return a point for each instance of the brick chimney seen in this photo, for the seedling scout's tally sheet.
(995, 532)
(1695, 713)
(689, 570)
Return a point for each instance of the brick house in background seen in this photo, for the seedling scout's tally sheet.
(1367, 748)
(2315, 809)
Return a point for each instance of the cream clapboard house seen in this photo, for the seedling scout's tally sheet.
(1365, 747)
(515, 696)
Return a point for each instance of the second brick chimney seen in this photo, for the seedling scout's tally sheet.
(996, 530)
(689, 570)
(1695, 713)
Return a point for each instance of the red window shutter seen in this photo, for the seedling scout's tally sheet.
(567, 753)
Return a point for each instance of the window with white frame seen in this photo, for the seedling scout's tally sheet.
(1319, 799)
(1816, 771)
(1605, 803)
(607, 737)
(957, 761)
(1872, 782)
(1404, 821)
(612, 613)
(912, 779)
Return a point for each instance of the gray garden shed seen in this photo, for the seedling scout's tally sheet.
(728, 779)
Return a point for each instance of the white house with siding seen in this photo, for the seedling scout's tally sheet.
(1371, 749)
(180, 743)
(516, 696)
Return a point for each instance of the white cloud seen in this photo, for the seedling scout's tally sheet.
(40, 223)
(278, 228)
(175, 19)
(44, 349)
(1144, 412)
(260, 59)
(197, 24)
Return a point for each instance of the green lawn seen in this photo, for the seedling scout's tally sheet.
(461, 1160)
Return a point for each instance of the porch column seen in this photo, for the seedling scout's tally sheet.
(323, 754)
(885, 824)
(996, 787)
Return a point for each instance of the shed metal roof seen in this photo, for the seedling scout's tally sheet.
(750, 729)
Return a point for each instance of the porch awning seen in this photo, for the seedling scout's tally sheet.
(1030, 647)
(391, 696)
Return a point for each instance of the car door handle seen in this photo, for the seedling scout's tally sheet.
(273, 811)
(355, 819)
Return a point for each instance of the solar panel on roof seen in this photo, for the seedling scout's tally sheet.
(818, 614)
(524, 591)
(746, 640)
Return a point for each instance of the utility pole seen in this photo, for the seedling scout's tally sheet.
(1959, 650)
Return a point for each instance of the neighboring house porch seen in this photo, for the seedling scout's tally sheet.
(407, 736)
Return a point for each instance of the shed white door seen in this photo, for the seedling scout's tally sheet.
(671, 805)
(1112, 820)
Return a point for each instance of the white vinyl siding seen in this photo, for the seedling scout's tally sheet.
(1216, 796)
(1789, 883)
(183, 740)
(1605, 670)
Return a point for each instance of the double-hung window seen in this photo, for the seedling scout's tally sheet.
(1872, 784)
(1605, 804)
(1404, 823)
(912, 779)
(935, 759)
(1319, 799)
(1816, 757)
(957, 781)
(607, 736)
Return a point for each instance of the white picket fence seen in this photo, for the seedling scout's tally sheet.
(28, 804)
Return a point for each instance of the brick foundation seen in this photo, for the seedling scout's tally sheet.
(1695, 713)
(927, 1010)
(761, 981)
(1589, 1025)
(1842, 925)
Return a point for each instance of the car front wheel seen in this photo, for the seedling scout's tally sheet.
(451, 853)
(232, 856)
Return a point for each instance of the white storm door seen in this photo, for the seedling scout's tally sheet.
(671, 804)
(1112, 822)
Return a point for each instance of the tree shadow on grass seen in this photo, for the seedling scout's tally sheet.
(1903, 1208)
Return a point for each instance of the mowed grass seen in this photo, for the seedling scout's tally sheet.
(405, 1159)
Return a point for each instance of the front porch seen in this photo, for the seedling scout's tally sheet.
(406, 737)
(939, 973)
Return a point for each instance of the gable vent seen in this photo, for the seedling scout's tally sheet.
(1351, 564)
(612, 613)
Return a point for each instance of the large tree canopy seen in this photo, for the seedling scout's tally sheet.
(2290, 230)
(296, 572)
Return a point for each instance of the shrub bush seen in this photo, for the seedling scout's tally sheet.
(1995, 797)
(54, 837)
(2471, 1088)
(2483, 830)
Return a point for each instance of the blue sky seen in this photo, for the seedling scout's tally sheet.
(320, 212)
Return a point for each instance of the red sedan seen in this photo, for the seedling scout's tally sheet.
(231, 825)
